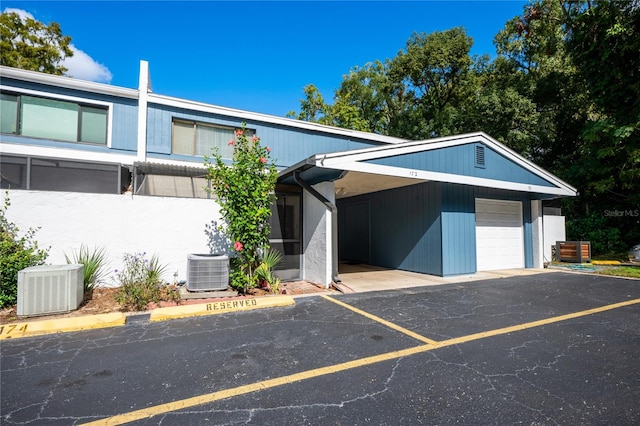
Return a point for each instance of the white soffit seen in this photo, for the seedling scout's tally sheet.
(358, 183)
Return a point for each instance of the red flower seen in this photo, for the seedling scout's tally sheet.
(255, 138)
(238, 246)
(239, 132)
(231, 142)
(268, 149)
(263, 160)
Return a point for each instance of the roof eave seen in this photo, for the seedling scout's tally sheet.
(67, 82)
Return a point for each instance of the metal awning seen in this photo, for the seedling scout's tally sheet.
(147, 168)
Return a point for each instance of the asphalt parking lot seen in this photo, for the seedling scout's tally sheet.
(555, 348)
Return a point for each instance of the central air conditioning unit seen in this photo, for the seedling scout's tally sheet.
(50, 289)
(207, 272)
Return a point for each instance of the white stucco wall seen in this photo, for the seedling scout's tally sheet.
(172, 228)
(317, 236)
(554, 230)
(537, 233)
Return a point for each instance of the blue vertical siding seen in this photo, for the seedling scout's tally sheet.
(458, 230)
(406, 228)
(428, 228)
(289, 145)
(124, 132)
(461, 160)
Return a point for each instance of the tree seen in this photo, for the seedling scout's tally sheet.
(313, 107)
(604, 44)
(578, 64)
(31, 45)
(415, 94)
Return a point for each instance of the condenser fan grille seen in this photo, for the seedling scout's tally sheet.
(207, 272)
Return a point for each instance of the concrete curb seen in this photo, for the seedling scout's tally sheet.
(61, 325)
(219, 307)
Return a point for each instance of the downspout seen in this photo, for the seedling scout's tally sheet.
(334, 228)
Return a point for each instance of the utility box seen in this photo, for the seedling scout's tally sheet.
(50, 289)
(573, 251)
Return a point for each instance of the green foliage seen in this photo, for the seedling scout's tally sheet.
(31, 45)
(245, 192)
(312, 107)
(621, 271)
(602, 232)
(95, 265)
(140, 282)
(270, 259)
(16, 253)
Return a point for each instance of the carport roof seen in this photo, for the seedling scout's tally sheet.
(449, 159)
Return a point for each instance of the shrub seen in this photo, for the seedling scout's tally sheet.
(16, 253)
(95, 265)
(141, 283)
(270, 259)
(245, 192)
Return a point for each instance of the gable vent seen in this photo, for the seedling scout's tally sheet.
(479, 156)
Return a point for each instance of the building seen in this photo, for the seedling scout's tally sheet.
(122, 168)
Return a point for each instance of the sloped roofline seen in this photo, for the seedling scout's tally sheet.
(67, 82)
(107, 89)
(355, 160)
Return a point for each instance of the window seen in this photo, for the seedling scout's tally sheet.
(51, 174)
(9, 113)
(38, 117)
(191, 138)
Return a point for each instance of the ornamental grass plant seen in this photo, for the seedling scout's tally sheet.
(94, 262)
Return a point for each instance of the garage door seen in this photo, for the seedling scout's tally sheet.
(499, 235)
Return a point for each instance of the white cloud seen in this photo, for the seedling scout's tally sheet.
(80, 65)
(22, 13)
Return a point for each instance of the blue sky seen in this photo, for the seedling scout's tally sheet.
(255, 56)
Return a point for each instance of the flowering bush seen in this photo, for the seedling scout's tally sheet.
(245, 192)
(141, 282)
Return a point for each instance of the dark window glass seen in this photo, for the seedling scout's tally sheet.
(61, 175)
(13, 172)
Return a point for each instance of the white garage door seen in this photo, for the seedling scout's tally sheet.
(499, 234)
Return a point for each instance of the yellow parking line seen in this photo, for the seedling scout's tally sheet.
(331, 369)
(382, 321)
(254, 387)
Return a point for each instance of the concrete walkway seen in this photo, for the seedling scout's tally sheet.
(362, 278)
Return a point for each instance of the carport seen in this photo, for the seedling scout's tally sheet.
(445, 207)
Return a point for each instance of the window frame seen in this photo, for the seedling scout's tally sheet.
(195, 124)
(80, 102)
